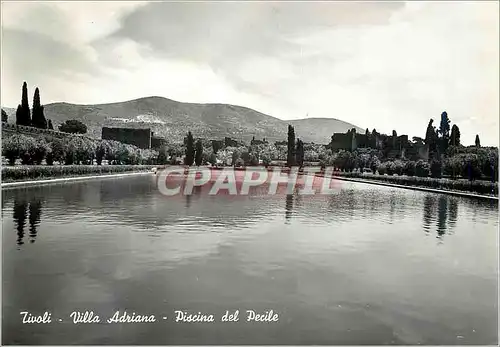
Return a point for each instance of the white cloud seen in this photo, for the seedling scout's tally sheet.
(427, 58)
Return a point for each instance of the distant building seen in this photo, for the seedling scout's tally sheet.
(137, 137)
(346, 141)
(394, 146)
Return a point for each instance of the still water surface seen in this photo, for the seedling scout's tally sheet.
(367, 265)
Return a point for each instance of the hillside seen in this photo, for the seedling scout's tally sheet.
(173, 119)
(322, 128)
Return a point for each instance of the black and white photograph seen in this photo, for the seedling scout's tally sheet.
(249, 173)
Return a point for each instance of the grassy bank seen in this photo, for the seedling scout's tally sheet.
(43, 172)
(460, 185)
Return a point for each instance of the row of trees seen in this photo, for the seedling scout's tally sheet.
(466, 162)
(35, 116)
(441, 139)
(31, 117)
(73, 150)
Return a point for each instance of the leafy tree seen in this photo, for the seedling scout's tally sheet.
(472, 166)
(290, 158)
(5, 117)
(39, 151)
(199, 153)
(410, 168)
(455, 136)
(100, 152)
(478, 143)
(73, 126)
(190, 150)
(56, 152)
(436, 169)
(398, 167)
(11, 147)
(422, 168)
(38, 119)
(452, 166)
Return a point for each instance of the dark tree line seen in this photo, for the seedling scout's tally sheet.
(441, 139)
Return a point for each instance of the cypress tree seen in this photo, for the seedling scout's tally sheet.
(25, 107)
(478, 143)
(190, 151)
(38, 119)
(299, 153)
(19, 115)
(50, 126)
(455, 136)
(290, 160)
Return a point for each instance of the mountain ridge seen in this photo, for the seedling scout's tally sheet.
(172, 119)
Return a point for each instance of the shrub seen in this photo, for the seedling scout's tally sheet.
(41, 172)
(382, 169)
(422, 168)
(410, 168)
(398, 167)
(480, 187)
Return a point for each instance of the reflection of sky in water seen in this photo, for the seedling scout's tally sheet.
(425, 264)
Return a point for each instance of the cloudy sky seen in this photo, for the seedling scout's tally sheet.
(391, 65)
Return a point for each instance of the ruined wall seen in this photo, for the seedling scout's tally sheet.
(137, 137)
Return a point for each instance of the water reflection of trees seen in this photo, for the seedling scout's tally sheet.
(35, 210)
(440, 212)
(24, 211)
(20, 216)
(288, 208)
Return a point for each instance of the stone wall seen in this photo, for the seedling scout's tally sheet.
(11, 129)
